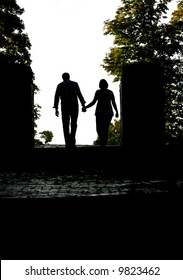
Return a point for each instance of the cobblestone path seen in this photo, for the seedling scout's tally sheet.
(54, 185)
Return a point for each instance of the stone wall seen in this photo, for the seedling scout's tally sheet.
(142, 106)
(16, 108)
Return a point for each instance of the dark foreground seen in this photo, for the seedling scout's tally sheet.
(92, 203)
(90, 171)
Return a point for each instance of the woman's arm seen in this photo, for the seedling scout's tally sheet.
(115, 107)
(91, 103)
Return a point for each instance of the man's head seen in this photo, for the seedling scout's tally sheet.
(65, 76)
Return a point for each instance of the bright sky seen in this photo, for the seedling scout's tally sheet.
(67, 36)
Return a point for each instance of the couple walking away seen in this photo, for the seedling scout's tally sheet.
(68, 92)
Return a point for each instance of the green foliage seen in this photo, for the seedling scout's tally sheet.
(141, 36)
(14, 43)
(46, 136)
(37, 115)
(114, 134)
(38, 142)
(15, 46)
(177, 16)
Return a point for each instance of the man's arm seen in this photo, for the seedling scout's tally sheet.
(80, 96)
(56, 101)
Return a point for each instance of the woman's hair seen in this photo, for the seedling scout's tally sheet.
(103, 84)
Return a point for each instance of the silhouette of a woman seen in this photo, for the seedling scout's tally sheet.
(104, 112)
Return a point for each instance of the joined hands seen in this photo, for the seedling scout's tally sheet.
(84, 109)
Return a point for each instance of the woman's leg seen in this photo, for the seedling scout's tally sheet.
(102, 125)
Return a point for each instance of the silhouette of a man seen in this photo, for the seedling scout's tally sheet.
(68, 92)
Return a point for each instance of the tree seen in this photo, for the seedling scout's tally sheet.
(177, 108)
(177, 16)
(141, 36)
(114, 134)
(37, 115)
(15, 44)
(47, 136)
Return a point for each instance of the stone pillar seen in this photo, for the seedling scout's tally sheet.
(16, 108)
(142, 106)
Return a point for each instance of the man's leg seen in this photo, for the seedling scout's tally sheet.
(65, 122)
(74, 117)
